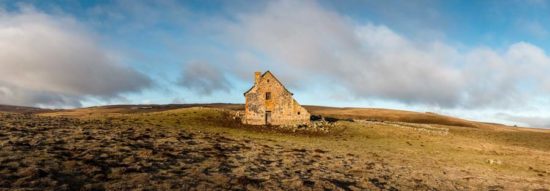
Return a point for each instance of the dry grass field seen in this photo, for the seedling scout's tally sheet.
(200, 147)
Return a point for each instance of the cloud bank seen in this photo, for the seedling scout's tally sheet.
(204, 78)
(531, 121)
(54, 61)
(307, 42)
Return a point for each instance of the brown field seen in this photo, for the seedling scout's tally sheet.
(391, 115)
(200, 147)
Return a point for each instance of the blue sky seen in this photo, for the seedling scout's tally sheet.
(481, 60)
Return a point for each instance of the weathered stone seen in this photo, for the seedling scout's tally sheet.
(268, 102)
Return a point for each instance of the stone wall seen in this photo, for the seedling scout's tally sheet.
(284, 109)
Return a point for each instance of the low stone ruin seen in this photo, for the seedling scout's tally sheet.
(319, 124)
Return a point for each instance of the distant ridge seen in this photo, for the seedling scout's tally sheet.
(369, 114)
(21, 109)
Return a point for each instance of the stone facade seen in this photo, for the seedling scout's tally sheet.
(268, 102)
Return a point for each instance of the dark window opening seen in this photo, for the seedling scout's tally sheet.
(268, 80)
(268, 95)
(298, 113)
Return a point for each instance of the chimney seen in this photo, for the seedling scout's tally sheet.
(257, 77)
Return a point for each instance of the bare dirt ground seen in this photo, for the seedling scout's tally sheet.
(198, 149)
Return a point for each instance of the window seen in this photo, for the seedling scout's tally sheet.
(298, 113)
(268, 95)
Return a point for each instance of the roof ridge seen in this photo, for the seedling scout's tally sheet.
(265, 73)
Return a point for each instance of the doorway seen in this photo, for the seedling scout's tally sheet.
(268, 117)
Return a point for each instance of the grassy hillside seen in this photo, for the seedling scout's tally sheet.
(375, 114)
(382, 149)
(371, 114)
(21, 109)
(408, 145)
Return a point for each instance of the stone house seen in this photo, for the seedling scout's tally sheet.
(268, 102)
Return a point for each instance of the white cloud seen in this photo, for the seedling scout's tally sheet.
(53, 61)
(369, 60)
(178, 100)
(203, 78)
(531, 121)
(307, 42)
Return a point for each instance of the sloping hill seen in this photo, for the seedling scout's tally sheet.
(369, 114)
(20, 109)
(133, 109)
(376, 114)
(201, 147)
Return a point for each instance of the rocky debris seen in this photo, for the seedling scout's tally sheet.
(316, 127)
(319, 127)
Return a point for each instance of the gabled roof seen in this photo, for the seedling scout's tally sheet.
(275, 80)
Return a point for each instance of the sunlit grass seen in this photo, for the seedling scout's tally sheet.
(462, 149)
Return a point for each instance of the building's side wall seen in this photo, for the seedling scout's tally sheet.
(284, 109)
(253, 109)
